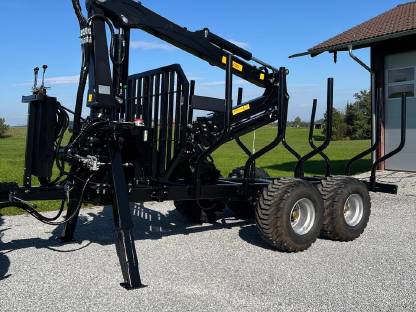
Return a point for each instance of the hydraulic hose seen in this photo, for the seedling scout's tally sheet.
(78, 11)
(51, 221)
(81, 89)
(86, 46)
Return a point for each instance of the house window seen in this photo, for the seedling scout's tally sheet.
(401, 81)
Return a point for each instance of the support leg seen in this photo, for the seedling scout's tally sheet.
(126, 250)
(69, 228)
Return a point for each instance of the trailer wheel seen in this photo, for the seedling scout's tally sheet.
(347, 208)
(245, 208)
(289, 214)
(202, 211)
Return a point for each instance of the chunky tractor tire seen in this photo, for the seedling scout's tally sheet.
(244, 209)
(347, 208)
(289, 214)
(204, 211)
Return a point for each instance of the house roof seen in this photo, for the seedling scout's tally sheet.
(398, 22)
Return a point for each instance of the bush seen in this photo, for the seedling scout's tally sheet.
(339, 127)
(297, 123)
(358, 117)
(355, 124)
(3, 127)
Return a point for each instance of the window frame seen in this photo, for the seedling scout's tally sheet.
(401, 83)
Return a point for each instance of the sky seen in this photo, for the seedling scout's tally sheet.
(46, 32)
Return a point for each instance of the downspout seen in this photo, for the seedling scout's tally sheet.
(373, 98)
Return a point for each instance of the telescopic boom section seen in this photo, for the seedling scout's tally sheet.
(128, 14)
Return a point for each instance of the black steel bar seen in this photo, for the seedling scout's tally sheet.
(243, 147)
(123, 223)
(125, 71)
(311, 141)
(290, 149)
(139, 99)
(283, 100)
(150, 99)
(223, 189)
(378, 112)
(163, 122)
(33, 194)
(27, 176)
(399, 148)
(191, 94)
(299, 169)
(227, 118)
(178, 115)
(70, 226)
(131, 100)
(146, 101)
(248, 153)
(156, 130)
(237, 139)
(240, 96)
(134, 99)
(170, 116)
(185, 109)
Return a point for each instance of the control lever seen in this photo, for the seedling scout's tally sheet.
(36, 71)
(44, 67)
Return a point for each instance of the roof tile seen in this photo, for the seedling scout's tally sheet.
(399, 19)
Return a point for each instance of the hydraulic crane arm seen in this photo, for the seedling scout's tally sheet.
(129, 14)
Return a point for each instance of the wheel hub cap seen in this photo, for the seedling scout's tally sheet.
(353, 209)
(302, 216)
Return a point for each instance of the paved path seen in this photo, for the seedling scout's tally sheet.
(222, 267)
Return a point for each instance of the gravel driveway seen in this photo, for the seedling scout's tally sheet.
(221, 267)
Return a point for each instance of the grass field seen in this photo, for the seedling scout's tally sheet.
(278, 162)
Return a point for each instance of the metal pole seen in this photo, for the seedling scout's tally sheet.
(373, 99)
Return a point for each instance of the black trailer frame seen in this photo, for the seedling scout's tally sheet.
(158, 106)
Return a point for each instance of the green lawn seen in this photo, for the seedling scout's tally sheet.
(278, 162)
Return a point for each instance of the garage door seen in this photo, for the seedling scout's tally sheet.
(400, 77)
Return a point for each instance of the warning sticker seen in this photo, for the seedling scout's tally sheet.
(236, 66)
(241, 109)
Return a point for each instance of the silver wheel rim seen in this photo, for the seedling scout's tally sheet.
(302, 216)
(353, 209)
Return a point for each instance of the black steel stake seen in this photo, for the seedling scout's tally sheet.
(378, 111)
(299, 169)
(403, 127)
(311, 141)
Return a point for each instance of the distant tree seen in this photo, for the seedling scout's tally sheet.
(358, 116)
(339, 127)
(3, 127)
(297, 123)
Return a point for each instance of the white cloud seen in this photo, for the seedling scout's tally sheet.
(152, 45)
(53, 81)
(156, 45)
(62, 80)
(243, 45)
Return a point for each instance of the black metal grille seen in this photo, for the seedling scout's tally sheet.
(161, 98)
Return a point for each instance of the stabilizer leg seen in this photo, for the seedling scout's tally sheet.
(69, 228)
(126, 250)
